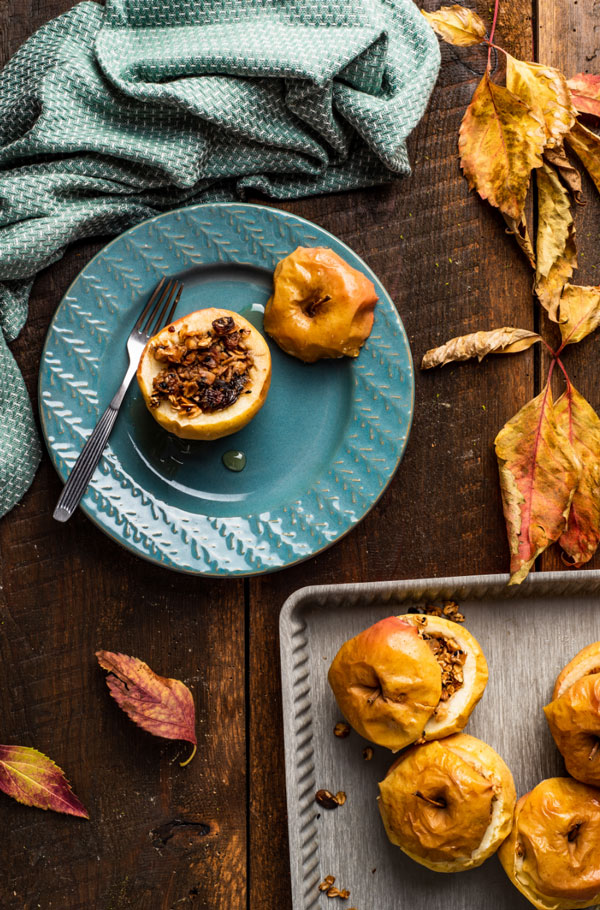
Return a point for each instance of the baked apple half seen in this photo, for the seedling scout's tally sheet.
(205, 375)
(552, 854)
(448, 804)
(574, 715)
(321, 306)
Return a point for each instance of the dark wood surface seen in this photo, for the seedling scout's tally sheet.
(213, 835)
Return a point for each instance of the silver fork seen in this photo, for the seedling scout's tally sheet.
(157, 313)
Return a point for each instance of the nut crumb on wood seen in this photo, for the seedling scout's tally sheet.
(341, 730)
(367, 753)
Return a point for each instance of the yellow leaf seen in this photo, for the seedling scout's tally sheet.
(457, 25)
(556, 253)
(518, 229)
(478, 344)
(579, 312)
(549, 289)
(581, 424)
(500, 141)
(586, 146)
(544, 90)
(539, 472)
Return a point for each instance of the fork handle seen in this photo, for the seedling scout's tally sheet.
(90, 455)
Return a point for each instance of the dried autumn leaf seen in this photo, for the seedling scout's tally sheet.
(162, 706)
(518, 229)
(585, 92)
(539, 472)
(579, 312)
(581, 424)
(32, 778)
(544, 90)
(506, 340)
(556, 254)
(457, 25)
(569, 175)
(549, 289)
(500, 142)
(586, 146)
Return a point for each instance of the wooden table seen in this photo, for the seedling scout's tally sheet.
(213, 835)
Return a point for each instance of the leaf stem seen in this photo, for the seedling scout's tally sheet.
(182, 764)
(489, 62)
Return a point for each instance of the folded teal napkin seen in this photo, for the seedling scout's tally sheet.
(109, 115)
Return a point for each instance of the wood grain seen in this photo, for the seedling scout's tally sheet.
(568, 37)
(444, 258)
(213, 835)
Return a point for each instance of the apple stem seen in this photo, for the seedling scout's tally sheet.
(182, 764)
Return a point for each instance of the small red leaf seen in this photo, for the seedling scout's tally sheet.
(585, 92)
(163, 707)
(33, 779)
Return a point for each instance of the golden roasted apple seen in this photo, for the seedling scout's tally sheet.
(321, 306)
(448, 804)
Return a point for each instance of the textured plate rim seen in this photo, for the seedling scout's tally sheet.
(224, 573)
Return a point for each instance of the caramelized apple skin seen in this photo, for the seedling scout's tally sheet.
(387, 683)
(553, 852)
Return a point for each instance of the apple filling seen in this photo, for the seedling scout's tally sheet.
(204, 371)
(451, 659)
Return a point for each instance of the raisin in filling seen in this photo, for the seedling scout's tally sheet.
(204, 370)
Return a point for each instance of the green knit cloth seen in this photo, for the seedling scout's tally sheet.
(110, 115)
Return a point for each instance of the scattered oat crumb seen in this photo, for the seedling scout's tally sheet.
(327, 882)
(368, 753)
(341, 730)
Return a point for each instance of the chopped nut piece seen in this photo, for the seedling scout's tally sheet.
(326, 799)
(327, 882)
(341, 730)
(340, 797)
(368, 753)
(335, 892)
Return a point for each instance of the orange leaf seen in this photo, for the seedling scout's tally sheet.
(556, 253)
(539, 472)
(500, 142)
(585, 92)
(162, 706)
(581, 424)
(32, 778)
(457, 25)
(579, 312)
(478, 344)
(544, 90)
(586, 146)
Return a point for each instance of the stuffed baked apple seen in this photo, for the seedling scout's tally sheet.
(205, 375)
(553, 852)
(408, 678)
(574, 715)
(321, 306)
(448, 804)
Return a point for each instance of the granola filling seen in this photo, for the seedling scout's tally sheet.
(204, 371)
(451, 660)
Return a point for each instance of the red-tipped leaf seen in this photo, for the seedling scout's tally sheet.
(162, 706)
(33, 779)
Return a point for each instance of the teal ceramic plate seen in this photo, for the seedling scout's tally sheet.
(318, 455)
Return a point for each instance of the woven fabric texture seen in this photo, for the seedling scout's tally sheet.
(110, 115)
